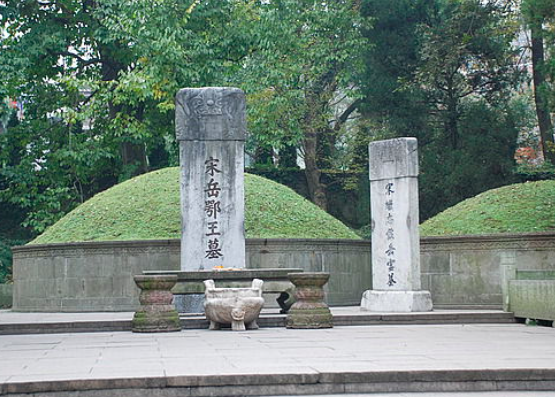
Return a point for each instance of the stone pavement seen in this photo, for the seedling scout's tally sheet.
(278, 361)
(453, 394)
(503, 393)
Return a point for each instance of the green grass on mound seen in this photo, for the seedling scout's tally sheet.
(147, 208)
(520, 208)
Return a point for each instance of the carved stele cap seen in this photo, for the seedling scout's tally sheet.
(393, 158)
(210, 114)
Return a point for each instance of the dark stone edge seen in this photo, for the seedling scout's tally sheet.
(251, 384)
(175, 243)
(490, 238)
(266, 321)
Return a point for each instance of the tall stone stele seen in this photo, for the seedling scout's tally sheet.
(210, 128)
(395, 235)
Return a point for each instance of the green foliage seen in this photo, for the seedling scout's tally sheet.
(276, 211)
(539, 18)
(97, 80)
(147, 207)
(442, 71)
(6, 257)
(304, 60)
(348, 192)
(391, 60)
(365, 232)
(542, 172)
(520, 208)
(484, 158)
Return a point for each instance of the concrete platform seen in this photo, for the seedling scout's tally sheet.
(278, 361)
(13, 323)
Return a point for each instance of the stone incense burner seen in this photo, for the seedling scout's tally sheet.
(239, 307)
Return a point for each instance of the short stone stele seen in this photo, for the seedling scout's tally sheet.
(395, 237)
(309, 310)
(156, 313)
(239, 307)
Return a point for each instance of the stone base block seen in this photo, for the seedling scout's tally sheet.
(309, 318)
(396, 301)
(156, 321)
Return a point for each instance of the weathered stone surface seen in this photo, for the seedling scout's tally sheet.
(471, 279)
(275, 280)
(210, 114)
(396, 301)
(528, 293)
(532, 299)
(6, 294)
(210, 128)
(157, 313)
(239, 307)
(395, 235)
(309, 310)
(109, 267)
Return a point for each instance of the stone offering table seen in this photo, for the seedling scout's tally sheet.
(191, 282)
(310, 310)
(157, 313)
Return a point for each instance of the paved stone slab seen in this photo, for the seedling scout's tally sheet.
(452, 394)
(282, 361)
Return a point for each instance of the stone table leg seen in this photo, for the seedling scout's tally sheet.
(310, 310)
(157, 313)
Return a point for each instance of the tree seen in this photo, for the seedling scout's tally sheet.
(465, 53)
(440, 64)
(536, 14)
(97, 80)
(392, 60)
(305, 56)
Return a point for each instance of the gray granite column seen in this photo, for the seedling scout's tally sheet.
(395, 235)
(210, 128)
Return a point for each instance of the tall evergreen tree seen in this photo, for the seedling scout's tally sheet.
(537, 15)
(433, 64)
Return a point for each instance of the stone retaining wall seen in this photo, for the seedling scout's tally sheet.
(98, 276)
(466, 270)
(6, 292)
(458, 271)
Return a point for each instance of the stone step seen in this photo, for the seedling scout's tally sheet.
(284, 384)
(268, 319)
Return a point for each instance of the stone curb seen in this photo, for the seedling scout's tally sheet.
(292, 384)
(265, 321)
(65, 327)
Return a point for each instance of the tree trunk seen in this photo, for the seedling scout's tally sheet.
(542, 111)
(132, 154)
(263, 156)
(452, 122)
(288, 157)
(312, 171)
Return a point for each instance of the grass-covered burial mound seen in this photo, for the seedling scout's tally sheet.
(521, 208)
(147, 208)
